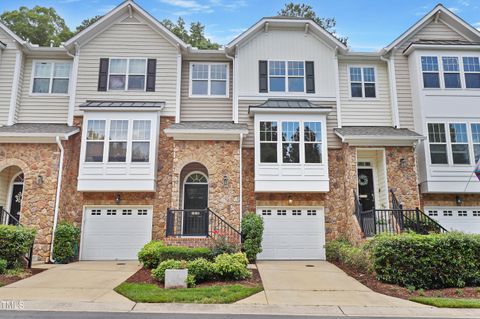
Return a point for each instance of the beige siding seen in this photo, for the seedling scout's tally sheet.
(359, 111)
(430, 31)
(204, 109)
(39, 108)
(129, 40)
(7, 66)
(332, 140)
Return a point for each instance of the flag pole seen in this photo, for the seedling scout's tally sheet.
(476, 170)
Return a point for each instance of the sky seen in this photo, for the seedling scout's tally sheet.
(369, 24)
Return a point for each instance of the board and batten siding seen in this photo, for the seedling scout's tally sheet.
(7, 66)
(283, 45)
(129, 40)
(432, 31)
(34, 108)
(204, 108)
(332, 139)
(365, 111)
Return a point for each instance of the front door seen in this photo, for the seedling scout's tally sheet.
(195, 221)
(15, 204)
(366, 189)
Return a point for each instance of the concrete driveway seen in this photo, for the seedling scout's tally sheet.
(316, 283)
(77, 282)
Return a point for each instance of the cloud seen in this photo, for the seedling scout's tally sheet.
(186, 7)
(454, 9)
(105, 9)
(477, 25)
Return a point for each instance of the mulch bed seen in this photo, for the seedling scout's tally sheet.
(144, 276)
(371, 282)
(7, 280)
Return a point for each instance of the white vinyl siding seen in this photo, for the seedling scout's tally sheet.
(7, 65)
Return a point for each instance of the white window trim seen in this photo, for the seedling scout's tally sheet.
(127, 74)
(441, 71)
(287, 92)
(209, 95)
(301, 142)
(32, 77)
(362, 66)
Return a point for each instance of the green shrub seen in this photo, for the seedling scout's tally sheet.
(15, 242)
(159, 272)
(191, 281)
(342, 251)
(232, 266)
(223, 246)
(149, 255)
(252, 232)
(3, 266)
(202, 269)
(428, 261)
(65, 247)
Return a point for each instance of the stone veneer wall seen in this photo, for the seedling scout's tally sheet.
(38, 202)
(449, 200)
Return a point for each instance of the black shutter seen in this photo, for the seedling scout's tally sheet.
(310, 76)
(151, 74)
(103, 74)
(263, 76)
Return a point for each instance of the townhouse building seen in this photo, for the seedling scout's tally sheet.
(133, 135)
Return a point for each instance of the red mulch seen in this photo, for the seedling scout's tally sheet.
(144, 276)
(371, 282)
(7, 280)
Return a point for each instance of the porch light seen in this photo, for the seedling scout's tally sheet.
(458, 200)
(290, 200)
(118, 199)
(39, 180)
(225, 181)
(403, 163)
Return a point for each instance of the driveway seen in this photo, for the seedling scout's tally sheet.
(316, 283)
(77, 282)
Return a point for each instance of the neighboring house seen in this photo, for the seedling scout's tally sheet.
(131, 134)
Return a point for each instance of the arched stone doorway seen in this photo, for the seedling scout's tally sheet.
(11, 194)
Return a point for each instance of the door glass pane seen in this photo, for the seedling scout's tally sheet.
(60, 86)
(41, 85)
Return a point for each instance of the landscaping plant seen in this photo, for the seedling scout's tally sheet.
(202, 269)
(342, 251)
(232, 266)
(149, 255)
(153, 253)
(222, 245)
(3, 266)
(65, 247)
(159, 272)
(252, 232)
(15, 242)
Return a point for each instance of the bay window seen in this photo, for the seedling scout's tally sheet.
(362, 82)
(430, 71)
(268, 142)
(475, 127)
(127, 74)
(459, 143)
(95, 141)
(117, 150)
(313, 142)
(438, 143)
(456, 72)
(209, 79)
(141, 141)
(471, 67)
(51, 77)
(290, 142)
(451, 72)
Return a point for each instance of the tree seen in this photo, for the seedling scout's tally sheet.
(306, 11)
(39, 25)
(86, 23)
(195, 36)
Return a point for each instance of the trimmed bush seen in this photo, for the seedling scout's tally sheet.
(65, 247)
(428, 261)
(232, 266)
(202, 269)
(342, 251)
(149, 255)
(159, 272)
(15, 242)
(3, 266)
(252, 232)
(223, 246)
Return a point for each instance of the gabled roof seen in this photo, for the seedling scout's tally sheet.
(127, 6)
(12, 34)
(284, 21)
(447, 16)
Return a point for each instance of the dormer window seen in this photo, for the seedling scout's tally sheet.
(50, 77)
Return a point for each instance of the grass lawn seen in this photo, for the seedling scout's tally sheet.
(448, 302)
(207, 295)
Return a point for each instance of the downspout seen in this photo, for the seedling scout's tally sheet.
(393, 88)
(15, 86)
(234, 87)
(57, 196)
(178, 92)
(73, 84)
(241, 179)
(337, 89)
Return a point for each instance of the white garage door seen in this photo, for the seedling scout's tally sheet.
(293, 233)
(115, 233)
(465, 219)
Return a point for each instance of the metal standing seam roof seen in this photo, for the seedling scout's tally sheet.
(37, 128)
(289, 103)
(376, 131)
(127, 104)
(208, 125)
(441, 42)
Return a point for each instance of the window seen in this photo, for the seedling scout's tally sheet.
(290, 142)
(286, 76)
(459, 143)
(451, 72)
(117, 149)
(141, 141)
(476, 141)
(209, 79)
(438, 143)
(95, 141)
(51, 77)
(471, 67)
(362, 82)
(127, 74)
(268, 142)
(313, 142)
(430, 72)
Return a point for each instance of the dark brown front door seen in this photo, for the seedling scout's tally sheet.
(195, 221)
(15, 204)
(366, 189)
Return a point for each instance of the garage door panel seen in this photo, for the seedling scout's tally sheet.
(465, 219)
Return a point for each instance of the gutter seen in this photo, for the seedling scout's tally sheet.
(57, 196)
(72, 91)
(393, 89)
(234, 86)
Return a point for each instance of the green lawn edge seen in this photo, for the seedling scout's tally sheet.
(447, 302)
(221, 294)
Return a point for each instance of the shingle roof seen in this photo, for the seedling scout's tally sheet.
(376, 131)
(38, 129)
(441, 42)
(208, 125)
(127, 104)
(288, 103)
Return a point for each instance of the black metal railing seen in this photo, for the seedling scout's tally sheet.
(8, 219)
(199, 223)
